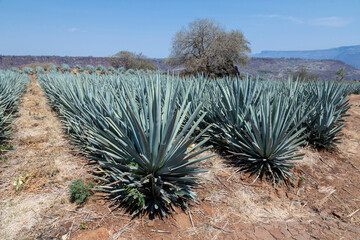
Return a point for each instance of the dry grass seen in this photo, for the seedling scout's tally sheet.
(41, 151)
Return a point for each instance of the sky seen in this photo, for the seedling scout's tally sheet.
(103, 28)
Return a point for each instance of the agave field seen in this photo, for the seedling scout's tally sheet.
(12, 85)
(148, 131)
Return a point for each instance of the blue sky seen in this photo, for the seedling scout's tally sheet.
(102, 28)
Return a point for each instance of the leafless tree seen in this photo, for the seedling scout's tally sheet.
(206, 46)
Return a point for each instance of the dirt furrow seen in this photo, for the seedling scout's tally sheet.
(45, 162)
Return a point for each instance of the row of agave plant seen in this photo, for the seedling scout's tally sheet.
(354, 88)
(263, 123)
(12, 86)
(64, 68)
(142, 137)
(148, 131)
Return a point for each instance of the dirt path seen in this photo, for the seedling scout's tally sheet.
(44, 157)
(323, 204)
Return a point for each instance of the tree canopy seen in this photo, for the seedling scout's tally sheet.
(130, 60)
(205, 46)
(340, 74)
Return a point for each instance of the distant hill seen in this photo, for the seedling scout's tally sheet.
(349, 54)
(280, 68)
(272, 68)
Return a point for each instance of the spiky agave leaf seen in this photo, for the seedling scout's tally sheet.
(327, 119)
(12, 86)
(148, 151)
(233, 106)
(354, 88)
(267, 144)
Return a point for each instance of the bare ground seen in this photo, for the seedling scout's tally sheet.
(42, 153)
(323, 204)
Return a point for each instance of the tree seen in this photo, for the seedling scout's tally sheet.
(206, 46)
(340, 74)
(130, 60)
(303, 74)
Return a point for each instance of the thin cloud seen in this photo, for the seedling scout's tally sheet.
(73, 29)
(329, 22)
(282, 17)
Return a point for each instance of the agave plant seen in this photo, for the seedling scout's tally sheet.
(79, 68)
(111, 70)
(4, 125)
(12, 85)
(150, 155)
(65, 67)
(101, 69)
(90, 69)
(232, 107)
(28, 70)
(40, 70)
(53, 68)
(15, 69)
(121, 70)
(193, 90)
(354, 88)
(267, 144)
(327, 119)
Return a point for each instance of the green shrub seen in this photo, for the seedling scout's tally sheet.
(80, 191)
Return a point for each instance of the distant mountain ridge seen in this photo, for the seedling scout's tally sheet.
(347, 54)
(271, 68)
(282, 68)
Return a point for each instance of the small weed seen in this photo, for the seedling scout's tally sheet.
(80, 191)
(82, 225)
(20, 180)
(301, 181)
(4, 149)
(134, 196)
(8, 147)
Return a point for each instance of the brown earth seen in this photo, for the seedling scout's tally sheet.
(323, 204)
(43, 156)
